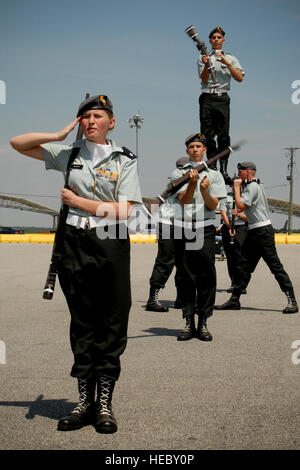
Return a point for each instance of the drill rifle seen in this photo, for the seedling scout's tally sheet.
(174, 186)
(201, 46)
(60, 231)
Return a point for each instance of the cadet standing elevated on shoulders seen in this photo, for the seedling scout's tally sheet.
(94, 271)
(215, 102)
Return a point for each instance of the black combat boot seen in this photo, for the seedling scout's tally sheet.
(153, 304)
(232, 304)
(189, 330)
(179, 303)
(230, 290)
(84, 413)
(105, 420)
(223, 170)
(292, 306)
(202, 331)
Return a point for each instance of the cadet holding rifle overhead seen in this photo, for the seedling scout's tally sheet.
(214, 100)
(94, 271)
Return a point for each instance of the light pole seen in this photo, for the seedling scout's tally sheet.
(136, 121)
(290, 178)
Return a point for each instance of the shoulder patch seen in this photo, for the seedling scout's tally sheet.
(128, 153)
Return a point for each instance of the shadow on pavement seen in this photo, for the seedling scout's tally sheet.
(157, 332)
(53, 409)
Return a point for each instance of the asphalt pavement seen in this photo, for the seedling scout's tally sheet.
(238, 392)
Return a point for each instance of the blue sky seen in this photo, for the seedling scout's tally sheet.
(136, 52)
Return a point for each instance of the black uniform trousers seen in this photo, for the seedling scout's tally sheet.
(165, 259)
(233, 251)
(260, 243)
(215, 121)
(198, 274)
(94, 275)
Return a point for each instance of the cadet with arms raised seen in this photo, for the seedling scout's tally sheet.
(215, 102)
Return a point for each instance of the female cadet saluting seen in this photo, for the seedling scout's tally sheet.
(94, 272)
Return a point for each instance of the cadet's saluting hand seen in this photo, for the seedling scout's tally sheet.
(61, 135)
(30, 144)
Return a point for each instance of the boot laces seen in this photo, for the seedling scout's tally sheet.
(290, 300)
(189, 325)
(83, 396)
(104, 396)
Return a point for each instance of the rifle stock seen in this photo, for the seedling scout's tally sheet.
(57, 244)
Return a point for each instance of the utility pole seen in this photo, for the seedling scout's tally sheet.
(136, 121)
(290, 178)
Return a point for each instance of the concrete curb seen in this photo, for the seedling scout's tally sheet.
(280, 238)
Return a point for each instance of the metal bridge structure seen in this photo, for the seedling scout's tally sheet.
(283, 207)
(12, 202)
(275, 205)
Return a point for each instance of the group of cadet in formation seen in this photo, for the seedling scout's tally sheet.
(104, 182)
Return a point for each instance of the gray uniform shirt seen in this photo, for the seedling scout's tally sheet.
(254, 197)
(222, 72)
(197, 209)
(113, 179)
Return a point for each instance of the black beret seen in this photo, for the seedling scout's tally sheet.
(218, 29)
(196, 137)
(246, 166)
(95, 102)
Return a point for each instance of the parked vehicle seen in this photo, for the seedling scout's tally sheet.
(10, 230)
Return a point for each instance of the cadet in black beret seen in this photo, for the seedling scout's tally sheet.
(194, 216)
(105, 184)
